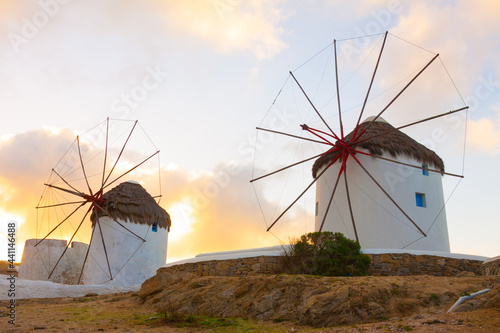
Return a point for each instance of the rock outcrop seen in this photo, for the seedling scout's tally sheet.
(491, 266)
(312, 300)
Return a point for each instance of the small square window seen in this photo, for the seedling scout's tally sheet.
(420, 199)
(154, 228)
(424, 171)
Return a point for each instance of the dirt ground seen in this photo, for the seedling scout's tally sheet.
(124, 313)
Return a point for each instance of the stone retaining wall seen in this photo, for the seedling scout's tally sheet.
(395, 264)
(403, 264)
(232, 267)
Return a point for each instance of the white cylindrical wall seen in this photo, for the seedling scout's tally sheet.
(379, 223)
(132, 261)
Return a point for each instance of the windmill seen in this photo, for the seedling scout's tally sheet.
(374, 183)
(91, 197)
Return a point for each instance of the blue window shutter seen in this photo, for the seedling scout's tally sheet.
(154, 228)
(420, 199)
(425, 172)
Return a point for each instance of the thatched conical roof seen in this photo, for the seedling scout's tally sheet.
(130, 202)
(386, 138)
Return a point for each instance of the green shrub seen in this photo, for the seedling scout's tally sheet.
(325, 253)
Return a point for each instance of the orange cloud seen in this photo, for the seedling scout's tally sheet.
(484, 135)
(230, 24)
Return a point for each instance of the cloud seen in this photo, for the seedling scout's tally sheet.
(430, 25)
(231, 24)
(484, 135)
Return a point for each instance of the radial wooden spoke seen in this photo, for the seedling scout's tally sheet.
(350, 205)
(434, 117)
(370, 86)
(70, 241)
(86, 256)
(64, 180)
(138, 165)
(392, 200)
(104, 247)
(105, 153)
(79, 194)
(61, 204)
(81, 162)
(417, 167)
(331, 199)
(287, 167)
(358, 141)
(303, 192)
(67, 217)
(397, 96)
(325, 133)
(293, 136)
(119, 155)
(338, 89)
(310, 102)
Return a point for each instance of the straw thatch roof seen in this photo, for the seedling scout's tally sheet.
(388, 139)
(130, 202)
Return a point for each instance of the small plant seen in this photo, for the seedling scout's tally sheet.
(325, 253)
(279, 320)
(114, 299)
(405, 328)
(173, 317)
(190, 319)
(84, 300)
(434, 298)
(178, 320)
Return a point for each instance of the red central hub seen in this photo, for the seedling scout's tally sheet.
(96, 201)
(341, 144)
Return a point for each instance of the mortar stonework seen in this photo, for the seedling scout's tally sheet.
(387, 264)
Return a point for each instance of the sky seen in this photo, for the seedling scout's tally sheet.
(200, 75)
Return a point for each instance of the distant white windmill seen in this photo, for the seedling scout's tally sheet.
(125, 227)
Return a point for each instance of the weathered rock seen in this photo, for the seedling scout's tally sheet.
(491, 266)
(316, 301)
(465, 274)
(160, 282)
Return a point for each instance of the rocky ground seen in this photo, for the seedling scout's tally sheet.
(276, 303)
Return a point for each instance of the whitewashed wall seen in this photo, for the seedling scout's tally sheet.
(132, 260)
(378, 222)
(38, 262)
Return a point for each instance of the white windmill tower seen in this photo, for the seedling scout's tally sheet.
(129, 237)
